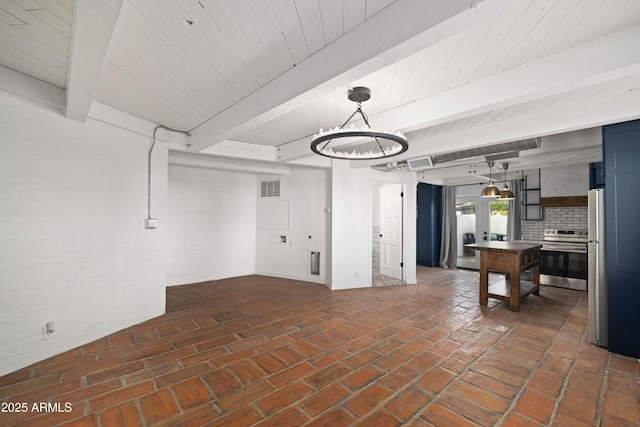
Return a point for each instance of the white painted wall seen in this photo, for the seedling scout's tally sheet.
(74, 250)
(211, 224)
(471, 190)
(351, 226)
(568, 180)
(304, 190)
(351, 222)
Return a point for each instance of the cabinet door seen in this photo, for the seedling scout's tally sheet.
(622, 229)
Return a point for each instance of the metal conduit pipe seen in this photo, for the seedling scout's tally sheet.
(149, 167)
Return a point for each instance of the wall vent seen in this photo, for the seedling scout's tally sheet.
(270, 188)
(419, 164)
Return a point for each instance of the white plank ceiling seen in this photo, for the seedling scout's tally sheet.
(451, 74)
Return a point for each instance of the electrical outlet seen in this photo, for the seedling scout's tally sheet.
(151, 223)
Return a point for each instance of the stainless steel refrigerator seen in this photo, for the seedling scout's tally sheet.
(597, 279)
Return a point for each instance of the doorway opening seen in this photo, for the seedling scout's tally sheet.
(388, 235)
(479, 219)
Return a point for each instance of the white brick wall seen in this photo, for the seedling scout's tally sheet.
(74, 250)
(571, 218)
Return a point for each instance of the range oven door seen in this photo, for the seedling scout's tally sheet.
(564, 268)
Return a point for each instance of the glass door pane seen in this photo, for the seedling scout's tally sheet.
(467, 232)
(498, 219)
(479, 220)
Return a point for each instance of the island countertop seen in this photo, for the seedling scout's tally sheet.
(506, 246)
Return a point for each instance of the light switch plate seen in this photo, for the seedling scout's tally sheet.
(151, 223)
(48, 330)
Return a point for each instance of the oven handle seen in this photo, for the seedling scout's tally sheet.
(573, 250)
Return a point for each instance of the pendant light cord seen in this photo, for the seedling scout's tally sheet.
(366, 121)
(153, 144)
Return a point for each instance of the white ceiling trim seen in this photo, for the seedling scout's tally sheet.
(47, 94)
(93, 26)
(28, 87)
(243, 150)
(399, 30)
(199, 160)
(107, 114)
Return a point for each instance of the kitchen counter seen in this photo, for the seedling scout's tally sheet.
(510, 258)
(518, 246)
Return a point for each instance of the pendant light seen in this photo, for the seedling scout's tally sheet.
(361, 142)
(505, 193)
(490, 190)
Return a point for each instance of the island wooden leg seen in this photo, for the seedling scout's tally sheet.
(514, 301)
(484, 278)
(535, 278)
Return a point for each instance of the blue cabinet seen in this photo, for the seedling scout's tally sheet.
(428, 224)
(621, 143)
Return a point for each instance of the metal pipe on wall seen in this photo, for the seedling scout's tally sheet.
(150, 222)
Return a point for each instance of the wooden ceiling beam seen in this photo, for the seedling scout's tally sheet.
(92, 30)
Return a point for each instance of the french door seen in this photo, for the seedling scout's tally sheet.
(479, 219)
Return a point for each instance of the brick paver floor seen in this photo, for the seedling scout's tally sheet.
(264, 351)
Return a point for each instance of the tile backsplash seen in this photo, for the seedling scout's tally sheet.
(571, 218)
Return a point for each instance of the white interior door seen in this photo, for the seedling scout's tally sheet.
(391, 230)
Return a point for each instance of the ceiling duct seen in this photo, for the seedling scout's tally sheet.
(412, 165)
(392, 167)
(488, 150)
(504, 150)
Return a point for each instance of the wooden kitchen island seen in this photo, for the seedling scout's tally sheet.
(510, 258)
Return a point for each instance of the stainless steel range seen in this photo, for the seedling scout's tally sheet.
(564, 260)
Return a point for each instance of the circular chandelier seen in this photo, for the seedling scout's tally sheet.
(358, 143)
